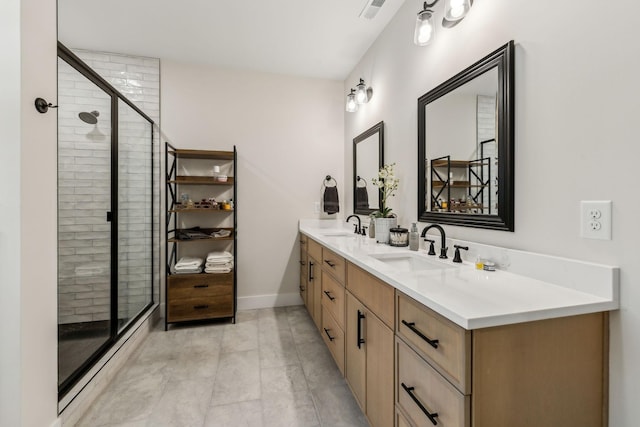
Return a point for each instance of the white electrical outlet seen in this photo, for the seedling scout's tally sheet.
(595, 219)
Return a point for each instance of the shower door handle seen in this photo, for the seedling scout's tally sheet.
(109, 216)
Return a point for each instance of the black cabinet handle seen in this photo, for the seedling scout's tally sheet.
(432, 416)
(411, 325)
(326, 331)
(329, 295)
(200, 286)
(311, 264)
(360, 339)
(330, 263)
(200, 307)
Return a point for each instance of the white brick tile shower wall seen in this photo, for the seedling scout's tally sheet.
(487, 130)
(84, 160)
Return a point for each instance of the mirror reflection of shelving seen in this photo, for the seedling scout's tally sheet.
(461, 186)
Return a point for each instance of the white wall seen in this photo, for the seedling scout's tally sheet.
(10, 213)
(289, 135)
(28, 355)
(577, 103)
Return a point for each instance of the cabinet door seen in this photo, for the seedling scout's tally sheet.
(355, 349)
(379, 387)
(314, 290)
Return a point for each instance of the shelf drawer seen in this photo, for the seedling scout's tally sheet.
(333, 263)
(333, 336)
(314, 249)
(418, 384)
(199, 285)
(333, 298)
(185, 309)
(451, 354)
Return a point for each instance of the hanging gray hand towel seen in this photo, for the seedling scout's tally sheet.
(330, 200)
(362, 198)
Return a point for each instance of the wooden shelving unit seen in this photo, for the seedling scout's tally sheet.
(201, 296)
(476, 187)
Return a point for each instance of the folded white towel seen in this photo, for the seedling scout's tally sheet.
(188, 262)
(218, 270)
(219, 256)
(187, 271)
(219, 264)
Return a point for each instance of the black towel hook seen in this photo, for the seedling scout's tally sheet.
(359, 178)
(43, 106)
(329, 178)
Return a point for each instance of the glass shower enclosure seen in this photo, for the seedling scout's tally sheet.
(106, 217)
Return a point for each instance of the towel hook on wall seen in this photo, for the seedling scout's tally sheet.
(43, 106)
(359, 178)
(329, 178)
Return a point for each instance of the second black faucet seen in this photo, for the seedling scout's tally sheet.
(443, 239)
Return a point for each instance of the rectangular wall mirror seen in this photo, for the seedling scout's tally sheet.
(368, 148)
(465, 146)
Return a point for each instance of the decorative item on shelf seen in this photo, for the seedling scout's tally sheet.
(221, 178)
(387, 184)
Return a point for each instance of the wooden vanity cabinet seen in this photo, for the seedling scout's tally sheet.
(549, 372)
(304, 269)
(369, 364)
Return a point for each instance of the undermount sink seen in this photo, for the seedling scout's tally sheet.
(339, 234)
(411, 262)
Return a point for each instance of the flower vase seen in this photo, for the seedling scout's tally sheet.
(383, 225)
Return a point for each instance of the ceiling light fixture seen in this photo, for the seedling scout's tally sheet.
(454, 12)
(352, 105)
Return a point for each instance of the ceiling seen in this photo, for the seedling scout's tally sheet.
(319, 38)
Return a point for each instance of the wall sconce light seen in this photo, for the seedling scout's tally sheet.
(454, 12)
(352, 105)
(363, 93)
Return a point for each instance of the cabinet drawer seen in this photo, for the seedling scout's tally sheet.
(401, 421)
(333, 336)
(333, 263)
(333, 298)
(199, 285)
(200, 308)
(420, 389)
(372, 292)
(450, 347)
(314, 249)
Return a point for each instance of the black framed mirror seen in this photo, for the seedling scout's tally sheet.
(466, 146)
(368, 158)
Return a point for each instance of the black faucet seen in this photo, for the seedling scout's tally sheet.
(443, 239)
(456, 256)
(358, 226)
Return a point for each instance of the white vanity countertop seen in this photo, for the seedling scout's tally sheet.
(526, 286)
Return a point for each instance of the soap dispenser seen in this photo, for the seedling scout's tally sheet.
(414, 238)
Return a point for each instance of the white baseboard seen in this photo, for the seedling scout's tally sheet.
(268, 301)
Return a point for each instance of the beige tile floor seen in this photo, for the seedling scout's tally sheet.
(269, 369)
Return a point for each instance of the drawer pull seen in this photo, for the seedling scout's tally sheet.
(311, 264)
(200, 286)
(359, 337)
(326, 331)
(432, 416)
(200, 307)
(329, 295)
(411, 325)
(330, 263)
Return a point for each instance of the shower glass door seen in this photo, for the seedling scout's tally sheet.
(84, 230)
(135, 221)
(106, 270)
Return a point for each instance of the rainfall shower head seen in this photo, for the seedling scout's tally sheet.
(89, 118)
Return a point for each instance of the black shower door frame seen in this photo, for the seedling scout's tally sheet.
(75, 62)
